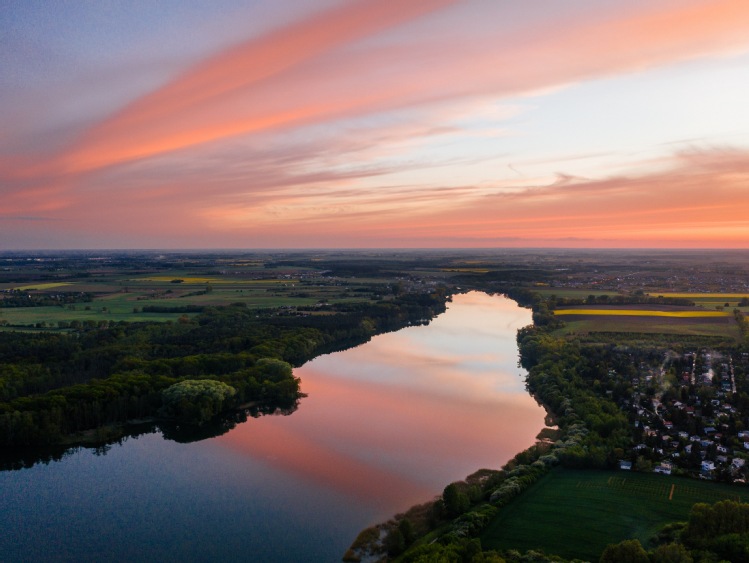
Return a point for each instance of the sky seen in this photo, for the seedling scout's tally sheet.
(374, 124)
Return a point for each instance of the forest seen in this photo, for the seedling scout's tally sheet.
(56, 385)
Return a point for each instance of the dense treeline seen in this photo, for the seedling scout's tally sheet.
(174, 309)
(16, 298)
(529, 298)
(54, 385)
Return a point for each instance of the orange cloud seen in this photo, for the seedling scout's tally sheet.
(187, 111)
(144, 161)
(306, 73)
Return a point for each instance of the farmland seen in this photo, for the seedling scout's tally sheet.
(158, 293)
(577, 513)
(720, 301)
(641, 313)
(663, 320)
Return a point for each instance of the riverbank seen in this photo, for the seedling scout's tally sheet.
(60, 387)
(375, 434)
(579, 383)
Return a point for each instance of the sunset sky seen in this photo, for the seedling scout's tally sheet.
(374, 123)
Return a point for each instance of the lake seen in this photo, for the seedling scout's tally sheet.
(385, 425)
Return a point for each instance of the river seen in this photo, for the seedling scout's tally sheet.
(385, 425)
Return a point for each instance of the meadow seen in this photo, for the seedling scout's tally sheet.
(120, 296)
(576, 513)
(648, 319)
(641, 313)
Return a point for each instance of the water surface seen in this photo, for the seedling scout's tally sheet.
(385, 425)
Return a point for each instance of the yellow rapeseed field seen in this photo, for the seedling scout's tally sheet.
(41, 286)
(641, 313)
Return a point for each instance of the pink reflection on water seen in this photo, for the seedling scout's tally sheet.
(398, 418)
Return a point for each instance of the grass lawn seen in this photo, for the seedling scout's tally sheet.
(575, 513)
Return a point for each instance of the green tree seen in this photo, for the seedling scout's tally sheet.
(196, 401)
(456, 501)
(671, 553)
(628, 551)
(273, 369)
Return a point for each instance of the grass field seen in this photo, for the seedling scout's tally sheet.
(648, 319)
(641, 313)
(724, 327)
(724, 296)
(122, 298)
(576, 513)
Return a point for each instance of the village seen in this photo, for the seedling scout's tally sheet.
(690, 416)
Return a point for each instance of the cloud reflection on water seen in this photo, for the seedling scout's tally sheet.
(395, 420)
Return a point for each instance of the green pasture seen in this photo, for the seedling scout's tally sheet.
(577, 513)
(720, 326)
(115, 303)
(25, 316)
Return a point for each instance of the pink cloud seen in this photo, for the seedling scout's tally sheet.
(307, 72)
(355, 61)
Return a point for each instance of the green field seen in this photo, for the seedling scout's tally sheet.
(725, 327)
(722, 301)
(575, 513)
(629, 312)
(120, 297)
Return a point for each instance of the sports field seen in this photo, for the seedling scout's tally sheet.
(575, 513)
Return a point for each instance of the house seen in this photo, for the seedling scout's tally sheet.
(707, 466)
(665, 468)
(626, 465)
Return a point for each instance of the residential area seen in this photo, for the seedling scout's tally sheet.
(690, 415)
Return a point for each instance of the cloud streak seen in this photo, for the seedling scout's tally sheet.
(234, 144)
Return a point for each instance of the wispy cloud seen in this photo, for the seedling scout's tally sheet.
(306, 133)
